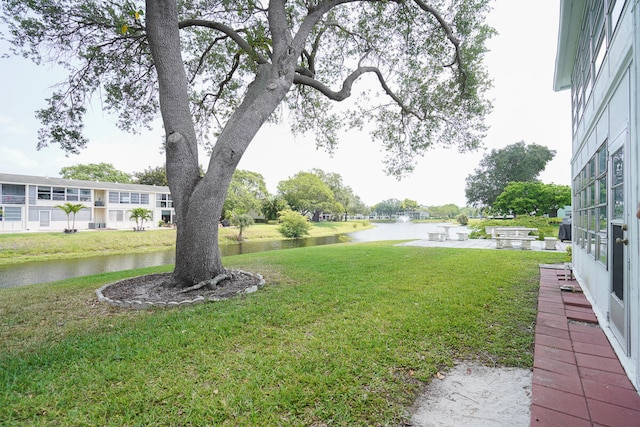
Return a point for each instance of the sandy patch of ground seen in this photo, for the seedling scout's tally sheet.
(473, 395)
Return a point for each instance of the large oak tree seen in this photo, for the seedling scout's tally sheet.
(217, 70)
(517, 162)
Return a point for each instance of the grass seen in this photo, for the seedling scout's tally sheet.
(341, 335)
(23, 247)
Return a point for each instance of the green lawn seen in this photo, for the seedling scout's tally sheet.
(340, 335)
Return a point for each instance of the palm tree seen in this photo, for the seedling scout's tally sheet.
(243, 221)
(140, 215)
(71, 209)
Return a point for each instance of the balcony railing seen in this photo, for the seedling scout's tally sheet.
(9, 199)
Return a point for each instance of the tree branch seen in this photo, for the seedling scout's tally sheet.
(227, 79)
(233, 34)
(279, 27)
(203, 56)
(453, 39)
(347, 85)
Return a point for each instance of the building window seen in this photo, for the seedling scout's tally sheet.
(617, 184)
(598, 45)
(615, 10)
(72, 194)
(116, 197)
(590, 201)
(85, 195)
(57, 193)
(116, 216)
(600, 21)
(44, 193)
(164, 200)
(13, 194)
(11, 214)
(62, 193)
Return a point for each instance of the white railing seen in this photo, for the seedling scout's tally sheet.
(9, 199)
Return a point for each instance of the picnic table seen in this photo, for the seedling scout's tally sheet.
(505, 236)
(441, 236)
(446, 230)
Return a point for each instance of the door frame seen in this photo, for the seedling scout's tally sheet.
(41, 217)
(619, 319)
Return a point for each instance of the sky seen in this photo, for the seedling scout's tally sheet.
(520, 62)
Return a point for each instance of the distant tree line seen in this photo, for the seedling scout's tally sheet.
(505, 183)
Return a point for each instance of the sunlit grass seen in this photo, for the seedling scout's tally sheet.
(341, 335)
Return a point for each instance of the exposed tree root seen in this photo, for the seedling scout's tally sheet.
(209, 284)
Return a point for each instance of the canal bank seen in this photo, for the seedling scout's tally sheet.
(13, 275)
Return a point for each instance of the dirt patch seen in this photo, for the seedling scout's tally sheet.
(149, 290)
(475, 395)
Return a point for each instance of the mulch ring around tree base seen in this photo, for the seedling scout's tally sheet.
(148, 291)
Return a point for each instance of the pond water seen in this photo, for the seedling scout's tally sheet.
(402, 231)
(48, 271)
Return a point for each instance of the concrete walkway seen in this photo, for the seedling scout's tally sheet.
(479, 244)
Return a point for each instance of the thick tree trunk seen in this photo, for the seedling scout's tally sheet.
(192, 257)
(198, 200)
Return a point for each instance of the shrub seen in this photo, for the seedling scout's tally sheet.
(293, 224)
(462, 219)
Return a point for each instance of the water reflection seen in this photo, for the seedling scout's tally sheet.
(49, 271)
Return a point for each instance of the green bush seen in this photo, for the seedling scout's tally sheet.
(293, 224)
(462, 219)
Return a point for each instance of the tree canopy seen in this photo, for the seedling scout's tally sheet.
(409, 205)
(218, 70)
(532, 198)
(444, 211)
(306, 193)
(347, 202)
(514, 163)
(152, 176)
(272, 205)
(104, 172)
(426, 59)
(246, 192)
(387, 207)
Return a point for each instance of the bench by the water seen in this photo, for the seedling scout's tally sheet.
(436, 236)
(505, 236)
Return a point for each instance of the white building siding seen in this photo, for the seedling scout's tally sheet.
(107, 205)
(607, 115)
